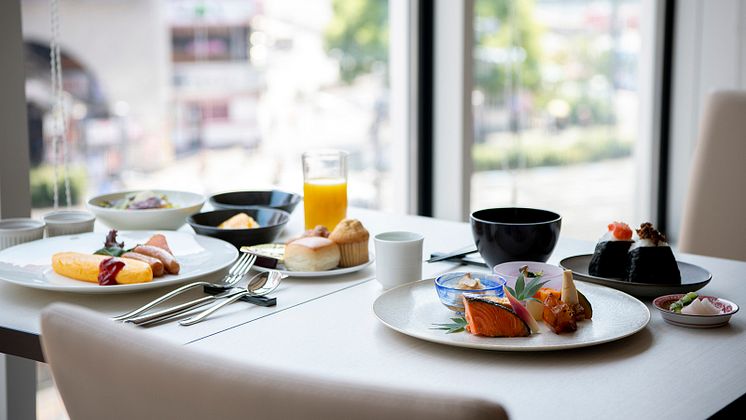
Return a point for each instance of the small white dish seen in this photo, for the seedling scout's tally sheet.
(185, 204)
(662, 303)
(68, 222)
(19, 230)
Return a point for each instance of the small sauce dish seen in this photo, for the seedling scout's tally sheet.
(450, 295)
(727, 307)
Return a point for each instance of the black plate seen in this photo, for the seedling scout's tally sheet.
(692, 278)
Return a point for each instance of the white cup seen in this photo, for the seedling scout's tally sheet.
(68, 222)
(19, 230)
(398, 258)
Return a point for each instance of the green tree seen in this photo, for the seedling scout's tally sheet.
(498, 30)
(359, 35)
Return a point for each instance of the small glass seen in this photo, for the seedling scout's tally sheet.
(324, 188)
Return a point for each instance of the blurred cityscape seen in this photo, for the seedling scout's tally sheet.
(217, 95)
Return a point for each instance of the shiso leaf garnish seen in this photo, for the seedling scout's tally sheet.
(458, 325)
(526, 291)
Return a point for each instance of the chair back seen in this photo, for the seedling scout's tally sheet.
(714, 219)
(105, 370)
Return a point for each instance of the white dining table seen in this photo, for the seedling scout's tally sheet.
(326, 326)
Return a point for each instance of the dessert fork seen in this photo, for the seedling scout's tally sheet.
(236, 273)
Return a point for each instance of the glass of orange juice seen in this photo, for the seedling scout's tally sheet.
(324, 188)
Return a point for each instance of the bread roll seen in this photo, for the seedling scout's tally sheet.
(311, 254)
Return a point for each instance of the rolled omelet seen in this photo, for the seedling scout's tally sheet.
(85, 267)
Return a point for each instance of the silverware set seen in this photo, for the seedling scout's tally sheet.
(225, 294)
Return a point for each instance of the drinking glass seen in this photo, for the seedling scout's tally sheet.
(324, 188)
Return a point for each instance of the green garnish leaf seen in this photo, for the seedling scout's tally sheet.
(113, 251)
(524, 291)
(458, 325)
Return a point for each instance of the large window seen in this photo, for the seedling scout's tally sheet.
(211, 95)
(555, 104)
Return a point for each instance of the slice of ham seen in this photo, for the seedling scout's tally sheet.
(158, 240)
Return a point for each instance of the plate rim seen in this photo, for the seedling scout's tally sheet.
(326, 273)
(508, 347)
(91, 288)
(632, 283)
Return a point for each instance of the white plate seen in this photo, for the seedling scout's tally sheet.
(327, 273)
(29, 264)
(413, 308)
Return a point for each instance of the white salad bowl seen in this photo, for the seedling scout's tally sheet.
(184, 205)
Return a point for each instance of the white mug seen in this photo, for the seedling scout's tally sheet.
(398, 258)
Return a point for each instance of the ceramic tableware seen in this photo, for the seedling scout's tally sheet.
(515, 234)
(241, 200)
(413, 308)
(271, 222)
(30, 264)
(692, 278)
(184, 204)
(68, 222)
(663, 303)
(398, 258)
(19, 230)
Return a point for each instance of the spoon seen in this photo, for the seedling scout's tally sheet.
(259, 285)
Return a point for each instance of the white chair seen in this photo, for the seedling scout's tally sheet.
(714, 219)
(105, 370)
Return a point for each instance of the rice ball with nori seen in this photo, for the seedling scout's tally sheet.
(650, 259)
(610, 256)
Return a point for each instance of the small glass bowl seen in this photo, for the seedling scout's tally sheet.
(450, 296)
(509, 272)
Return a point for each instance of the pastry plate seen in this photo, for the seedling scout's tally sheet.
(695, 321)
(29, 264)
(413, 308)
(692, 278)
(327, 273)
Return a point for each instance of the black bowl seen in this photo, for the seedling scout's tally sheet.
(242, 200)
(271, 222)
(515, 234)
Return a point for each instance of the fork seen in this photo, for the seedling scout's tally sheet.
(236, 273)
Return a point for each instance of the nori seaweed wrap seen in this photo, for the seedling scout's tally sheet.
(650, 259)
(610, 256)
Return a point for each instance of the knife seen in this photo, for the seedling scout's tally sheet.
(457, 254)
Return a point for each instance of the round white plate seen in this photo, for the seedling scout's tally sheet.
(413, 308)
(29, 264)
(327, 273)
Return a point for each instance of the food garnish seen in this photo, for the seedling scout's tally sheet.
(522, 312)
(685, 300)
(458, 325)
(239, 221)
(523, 290)
(111, 247)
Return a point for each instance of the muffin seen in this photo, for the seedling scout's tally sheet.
(352, 239)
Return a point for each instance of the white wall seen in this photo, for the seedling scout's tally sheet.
(709, 54)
